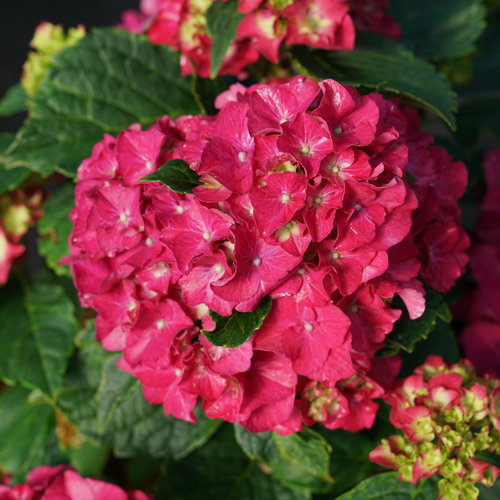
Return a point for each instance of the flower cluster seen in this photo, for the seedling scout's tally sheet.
(481, 337)
(266, 25)
(63, 482)
(48, 40)
(447, 415)
(304, 197)
(17, 212)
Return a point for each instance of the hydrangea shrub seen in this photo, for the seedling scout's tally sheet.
(248, 250)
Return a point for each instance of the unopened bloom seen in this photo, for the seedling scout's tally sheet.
(447, 415)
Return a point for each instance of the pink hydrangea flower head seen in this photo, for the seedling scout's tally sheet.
(263, 29)
(325, 222)
(62, 481)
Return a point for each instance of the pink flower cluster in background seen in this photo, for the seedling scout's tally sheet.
(62, 482)
(447, 415)
(266, 25)
(481, 337)
(330, 202)
(17, 212)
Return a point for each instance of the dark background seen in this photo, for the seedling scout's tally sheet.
(19, 20)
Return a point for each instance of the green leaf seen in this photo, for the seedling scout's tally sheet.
(37, 326)
(477, 115)
(104, 83)
(55, 227)
(235, 330)
(486, 64)
(107, 406)
(26, 433)
(10, 179)
(205, 91)
(222, 20)
(439, 30)
(13, 101)
(441, 341)
(349, 458)
(88, 458)
(408, 332)
(222, 471)
(386, 66)
(492, 493)
(387, 486)
(298, 460)
(176, 175)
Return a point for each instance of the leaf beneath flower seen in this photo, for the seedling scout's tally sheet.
(176, 175)
(235, 330)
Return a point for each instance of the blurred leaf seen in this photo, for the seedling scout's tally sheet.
(205, 91)
(222, 20)
(486, 65)
(387, 486)
(10, 179)
(89, 459)
(13, 101)
(176, 175)
(235, 330)
(298, 460)
(408, 332)
(107, 81)
(26, 433)
(386, 66)
(37, 326)
(492, 493)
(107, 405)
(441, 341)
(349, 458)
(220, 470)
(479, 114)
(55, 227)
(439, 30)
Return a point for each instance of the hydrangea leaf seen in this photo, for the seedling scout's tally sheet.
(492, 493)
(107, 406)
(235, 330)
(205, 91)
(439, 30)
(223, 471)
(486, 64)
(408, 332)
(299, 460)
(37, 327)
(26, 433)
(13, 101)
(386, 66)
(222, 20)
(176, 175)
(441, 341)
(10, 179)
(55, 227)
(349, 462)
(107, 81)
(387, 486)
